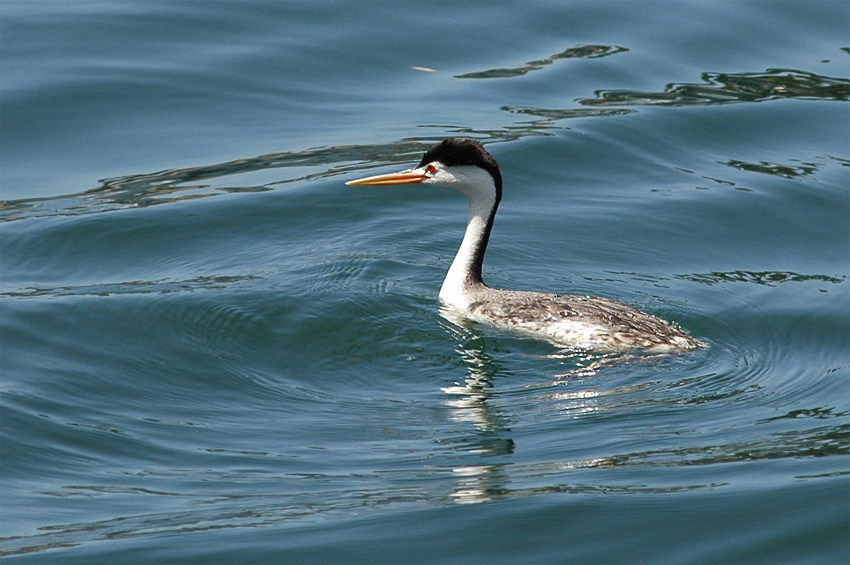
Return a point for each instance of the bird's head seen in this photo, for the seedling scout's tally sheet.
(458, 164)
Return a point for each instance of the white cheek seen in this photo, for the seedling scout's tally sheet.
(444, 177)
(472, 181)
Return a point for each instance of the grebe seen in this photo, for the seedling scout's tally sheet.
(584, 322)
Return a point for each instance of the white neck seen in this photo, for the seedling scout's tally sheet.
(462, 276)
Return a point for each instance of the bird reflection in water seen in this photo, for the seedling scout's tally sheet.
(475, 401)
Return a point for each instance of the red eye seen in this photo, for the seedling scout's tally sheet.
(431, 169)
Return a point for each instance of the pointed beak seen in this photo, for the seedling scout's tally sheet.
(410, 176)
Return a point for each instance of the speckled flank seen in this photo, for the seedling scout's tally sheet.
(585, 322)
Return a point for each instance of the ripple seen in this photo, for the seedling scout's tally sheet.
(222, 512)
(776, 169)
(570, 113)
(163, 286)
(727, 88)
(578, 52)
(763, 278)
(148, 189)
(191, 183)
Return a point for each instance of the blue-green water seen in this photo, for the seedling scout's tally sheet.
(214, 351)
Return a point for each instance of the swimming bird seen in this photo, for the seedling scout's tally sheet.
(573, 321)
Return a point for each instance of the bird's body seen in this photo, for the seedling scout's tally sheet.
(584, 322)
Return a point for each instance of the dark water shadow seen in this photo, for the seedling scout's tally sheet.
(730, 88)
(578, 52)
(149, 189)
(162, 286)
(718, 88)
(764, 278)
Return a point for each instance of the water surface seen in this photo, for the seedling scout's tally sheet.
(214, 351)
